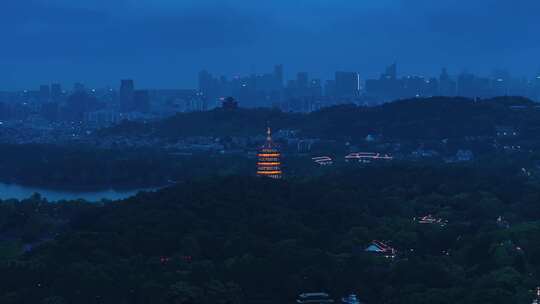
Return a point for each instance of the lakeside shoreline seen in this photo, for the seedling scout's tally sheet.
(9, 191)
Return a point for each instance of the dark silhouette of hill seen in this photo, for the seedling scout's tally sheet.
(429, 118)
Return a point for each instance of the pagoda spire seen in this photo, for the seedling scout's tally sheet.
(268, 134)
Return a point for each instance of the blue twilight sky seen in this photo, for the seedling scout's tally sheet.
(164, 43)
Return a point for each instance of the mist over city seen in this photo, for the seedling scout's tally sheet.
(256, 152)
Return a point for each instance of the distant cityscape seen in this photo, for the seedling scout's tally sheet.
(101, 107)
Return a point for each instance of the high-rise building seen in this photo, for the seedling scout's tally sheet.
(208, 85)
(127, 95)
(77, 104)
(391, 72)
(56, 92)
(501, 80)
(269, 164)
(447, 87)
(50, 111)
(302, 85)
(330, 88)
(79, 87)
(315, 88)
(347, 84)
(278, 75)
(302, 80)
(44, 93)
(469, 85)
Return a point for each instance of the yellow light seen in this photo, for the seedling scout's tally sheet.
(269, 155)
(269, 172)
(269, 164)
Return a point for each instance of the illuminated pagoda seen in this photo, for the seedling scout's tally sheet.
(269, 164)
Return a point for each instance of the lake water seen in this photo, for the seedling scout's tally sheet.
(14, 191)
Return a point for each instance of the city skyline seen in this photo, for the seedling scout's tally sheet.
(303, 93)
(288, 74)
(164, 43)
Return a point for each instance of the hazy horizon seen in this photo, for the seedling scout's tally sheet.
(164, 44)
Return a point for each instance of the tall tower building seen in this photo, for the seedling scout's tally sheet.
(347, 84)
(127, 95)
(302, 80)
(447, 87)
(56, 92)
(278, 76)
(44, 93)
(391, 72)
(269, 164)
(79, 88)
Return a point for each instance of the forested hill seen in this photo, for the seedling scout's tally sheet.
(249, 240)
(430, 118)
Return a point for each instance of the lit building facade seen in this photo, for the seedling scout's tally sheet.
(269, 163)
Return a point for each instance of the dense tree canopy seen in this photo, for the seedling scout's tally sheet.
(89, 168)
(245, 240)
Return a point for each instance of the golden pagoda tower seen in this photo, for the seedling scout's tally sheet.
(269, 164)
